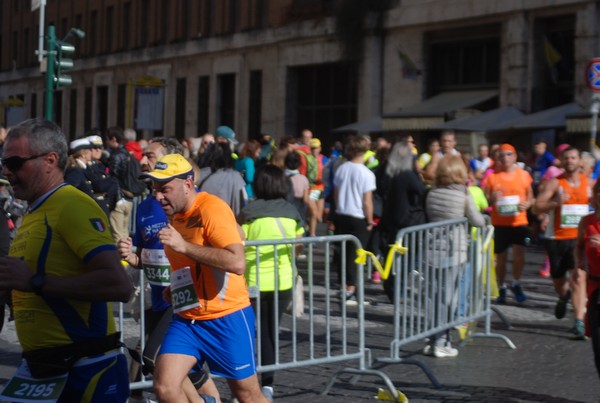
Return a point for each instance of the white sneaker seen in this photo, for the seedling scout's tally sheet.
(427, 350)
(444, 351)
(268, 392)
(351, 299)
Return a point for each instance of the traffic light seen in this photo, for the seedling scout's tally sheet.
(57, 64)
(63, 64)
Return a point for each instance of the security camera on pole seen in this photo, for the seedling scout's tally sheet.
(592, 75)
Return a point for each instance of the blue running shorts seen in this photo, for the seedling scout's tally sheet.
(98, 379)
(226, 343)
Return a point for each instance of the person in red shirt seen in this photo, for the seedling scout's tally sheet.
(509, 192)
(587, 256)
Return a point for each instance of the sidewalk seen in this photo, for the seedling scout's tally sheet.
(546, 366)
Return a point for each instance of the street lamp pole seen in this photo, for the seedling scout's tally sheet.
(594, 110)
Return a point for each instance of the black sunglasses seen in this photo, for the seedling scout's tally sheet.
(15, 163)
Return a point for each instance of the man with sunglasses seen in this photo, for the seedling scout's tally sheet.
(509, 192)
(64, 270)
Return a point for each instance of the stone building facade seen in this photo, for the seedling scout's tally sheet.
(184, 67)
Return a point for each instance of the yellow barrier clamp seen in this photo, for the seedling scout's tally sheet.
(362, 254)
(386, 395)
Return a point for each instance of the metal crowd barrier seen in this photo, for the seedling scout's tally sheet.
(136, 202)
(328, 332)
(442, 280)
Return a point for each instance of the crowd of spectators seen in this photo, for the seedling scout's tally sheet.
(370, 189)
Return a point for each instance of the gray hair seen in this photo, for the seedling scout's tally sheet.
(129, 134)
(400, 159)
(171, 144)
(44, 137)
(588, 157)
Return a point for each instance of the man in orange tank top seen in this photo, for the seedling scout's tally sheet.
(565, 199)
(509, 192)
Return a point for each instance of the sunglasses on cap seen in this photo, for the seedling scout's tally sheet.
(15, 163)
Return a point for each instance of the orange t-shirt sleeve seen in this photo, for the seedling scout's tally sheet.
(220, 225)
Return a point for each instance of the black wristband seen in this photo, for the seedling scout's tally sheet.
(37, 282)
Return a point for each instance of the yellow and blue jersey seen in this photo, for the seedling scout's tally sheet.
(58, 236)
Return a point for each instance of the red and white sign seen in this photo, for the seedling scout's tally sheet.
(592, 74)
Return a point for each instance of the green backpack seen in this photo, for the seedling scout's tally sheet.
(312, 167)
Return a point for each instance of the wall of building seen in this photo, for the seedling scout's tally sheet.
(295, 36)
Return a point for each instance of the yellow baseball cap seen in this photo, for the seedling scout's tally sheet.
(170, 167)
(314, 143)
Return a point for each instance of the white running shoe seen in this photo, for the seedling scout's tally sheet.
(268, 392)
(445, 351)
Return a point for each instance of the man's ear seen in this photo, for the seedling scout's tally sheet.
(52, 157)
(189, 185)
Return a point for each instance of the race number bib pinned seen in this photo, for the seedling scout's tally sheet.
(22, 387)
(571, 214)
(315, 194)
(156, 266)
(183, 292)
(508, 206)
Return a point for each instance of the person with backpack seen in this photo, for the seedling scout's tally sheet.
(123, 166)
(316, 198)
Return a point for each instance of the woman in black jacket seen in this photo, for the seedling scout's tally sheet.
(403, 194)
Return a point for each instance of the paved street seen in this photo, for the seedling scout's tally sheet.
(546, 366)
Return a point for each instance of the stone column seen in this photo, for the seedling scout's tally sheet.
(371, 78)
(587, 46)
(514, 87)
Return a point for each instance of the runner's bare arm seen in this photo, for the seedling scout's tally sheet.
(231, 258)
(105, 280)
(546, 200)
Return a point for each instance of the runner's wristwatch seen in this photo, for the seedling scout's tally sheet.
(37, 282)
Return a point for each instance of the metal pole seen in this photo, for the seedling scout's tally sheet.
(594, 109)
(41, 30)
(50, 65)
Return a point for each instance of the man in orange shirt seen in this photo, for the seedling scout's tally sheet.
(509, 191)
(565, 199)
(214, 321)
